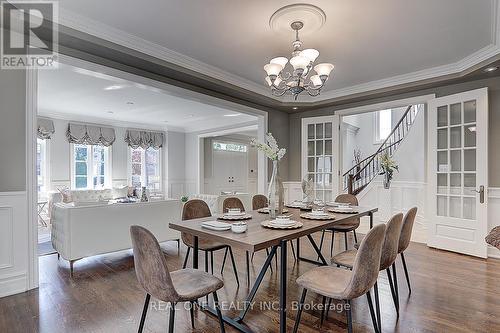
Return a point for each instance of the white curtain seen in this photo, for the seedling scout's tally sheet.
(90, 134)
(45, 128)
(144, 139)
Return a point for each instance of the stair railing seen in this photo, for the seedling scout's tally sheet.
(360, 175)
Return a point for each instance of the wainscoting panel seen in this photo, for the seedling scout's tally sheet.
(292, 191)
(13, 243)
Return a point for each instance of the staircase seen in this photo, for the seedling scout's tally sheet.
(360, 175)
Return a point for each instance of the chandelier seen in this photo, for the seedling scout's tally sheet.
(302, 78)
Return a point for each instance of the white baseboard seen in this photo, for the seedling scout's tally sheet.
(13, 284)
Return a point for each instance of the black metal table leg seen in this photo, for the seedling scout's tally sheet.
(283, 280)
(320, 255)
(195, 252)
(370, 214)
(298, 248)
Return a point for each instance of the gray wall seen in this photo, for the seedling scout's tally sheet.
(12, 130)
(294, 156)
(278, 123)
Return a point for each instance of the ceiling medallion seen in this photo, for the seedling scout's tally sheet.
(302, 77)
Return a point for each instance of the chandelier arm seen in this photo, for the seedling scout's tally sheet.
(279, 92)
(313, 92)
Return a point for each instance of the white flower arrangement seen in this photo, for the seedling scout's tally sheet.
(271, 149)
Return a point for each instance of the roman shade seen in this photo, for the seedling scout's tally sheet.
(144, 139)
(90, 134)
(45, 128)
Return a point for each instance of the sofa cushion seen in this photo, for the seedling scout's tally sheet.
(120, 192)
(91, 195)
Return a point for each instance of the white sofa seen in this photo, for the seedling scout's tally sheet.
(215, 202)
(84, 231)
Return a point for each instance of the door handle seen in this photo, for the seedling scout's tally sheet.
(481, 193)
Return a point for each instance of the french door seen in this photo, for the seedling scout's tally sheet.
(458, 172)
(320, 151)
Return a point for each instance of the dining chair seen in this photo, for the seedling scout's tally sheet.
(259, 201)
(342, 284)
(388, 259)
(404, 240)
(343, 227)
(185, 285)
(195, 209)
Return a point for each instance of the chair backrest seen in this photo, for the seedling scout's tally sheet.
(259, 201)
(406, 229)
(391, 242)
(151, 266)
(232, 202)
(367, 263)
(350, 199)
(193, 209)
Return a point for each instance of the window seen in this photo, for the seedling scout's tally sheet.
(41, 165)
(90, 167)
(383, 125)
(230, 147)
(145, 166)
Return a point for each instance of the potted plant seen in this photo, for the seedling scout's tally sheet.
(388, 166)
(275, 154)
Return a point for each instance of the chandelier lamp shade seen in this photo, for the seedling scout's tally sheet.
(305, 76)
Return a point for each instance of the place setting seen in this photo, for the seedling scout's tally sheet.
(282, 222)
(265, 210)
(317, 214)
(235, 214)
(342, 208)
(298, 204)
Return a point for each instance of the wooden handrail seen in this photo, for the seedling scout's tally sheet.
(366, 166)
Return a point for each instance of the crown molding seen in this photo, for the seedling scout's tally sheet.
(100, 30)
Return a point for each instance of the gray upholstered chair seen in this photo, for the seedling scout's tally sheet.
(405, 238)
(196, 209)
(259, 201)
(341, 284)
(185, 285)
(344, 227)
(388, 259)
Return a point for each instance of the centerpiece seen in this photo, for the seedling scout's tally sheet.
(388, 166)
(275, 191)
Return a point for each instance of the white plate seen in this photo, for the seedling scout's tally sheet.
(337, 204)
(284, 224)
(234, 214)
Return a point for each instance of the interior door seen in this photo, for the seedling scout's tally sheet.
(458, 172)
(320, 155)
(230, 170)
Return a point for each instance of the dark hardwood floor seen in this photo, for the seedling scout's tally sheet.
(451, 293)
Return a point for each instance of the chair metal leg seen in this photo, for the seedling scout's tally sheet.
(332, 246)
(191, 310)
(372, 311)
(345, 240)
(349, 315)
(299, 312)
(328, 307)
(212, 262)
(224, 260)
(248, 268)
(396, 289)
(206, 261)
(406, 272)
(219, 313)
(186, 259)
(321, 241)
(234, 266)
(355, 236)
(171, 320)
(377, 307)
(393, 293)
(323, 302)
(293, 250)
(144, 312)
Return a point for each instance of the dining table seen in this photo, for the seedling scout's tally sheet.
(258, 237)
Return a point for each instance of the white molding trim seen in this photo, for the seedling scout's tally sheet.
(423, 99)
(13, 284)
(120, 37)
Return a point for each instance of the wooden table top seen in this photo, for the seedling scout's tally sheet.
(257, 237)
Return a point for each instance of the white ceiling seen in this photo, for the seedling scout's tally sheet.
(79, 94)
(366, 40)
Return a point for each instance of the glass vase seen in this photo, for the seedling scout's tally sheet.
(275, 193)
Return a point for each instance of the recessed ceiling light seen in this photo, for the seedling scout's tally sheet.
(232, 115)
(115, 87)
(490, 69)
(110, 112)
(295, 107)
(130, 103)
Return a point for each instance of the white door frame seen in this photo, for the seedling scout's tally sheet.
(480, 223)
(31, 129)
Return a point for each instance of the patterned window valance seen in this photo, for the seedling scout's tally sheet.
(144, 139)
(45, 128)
(90, 134)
